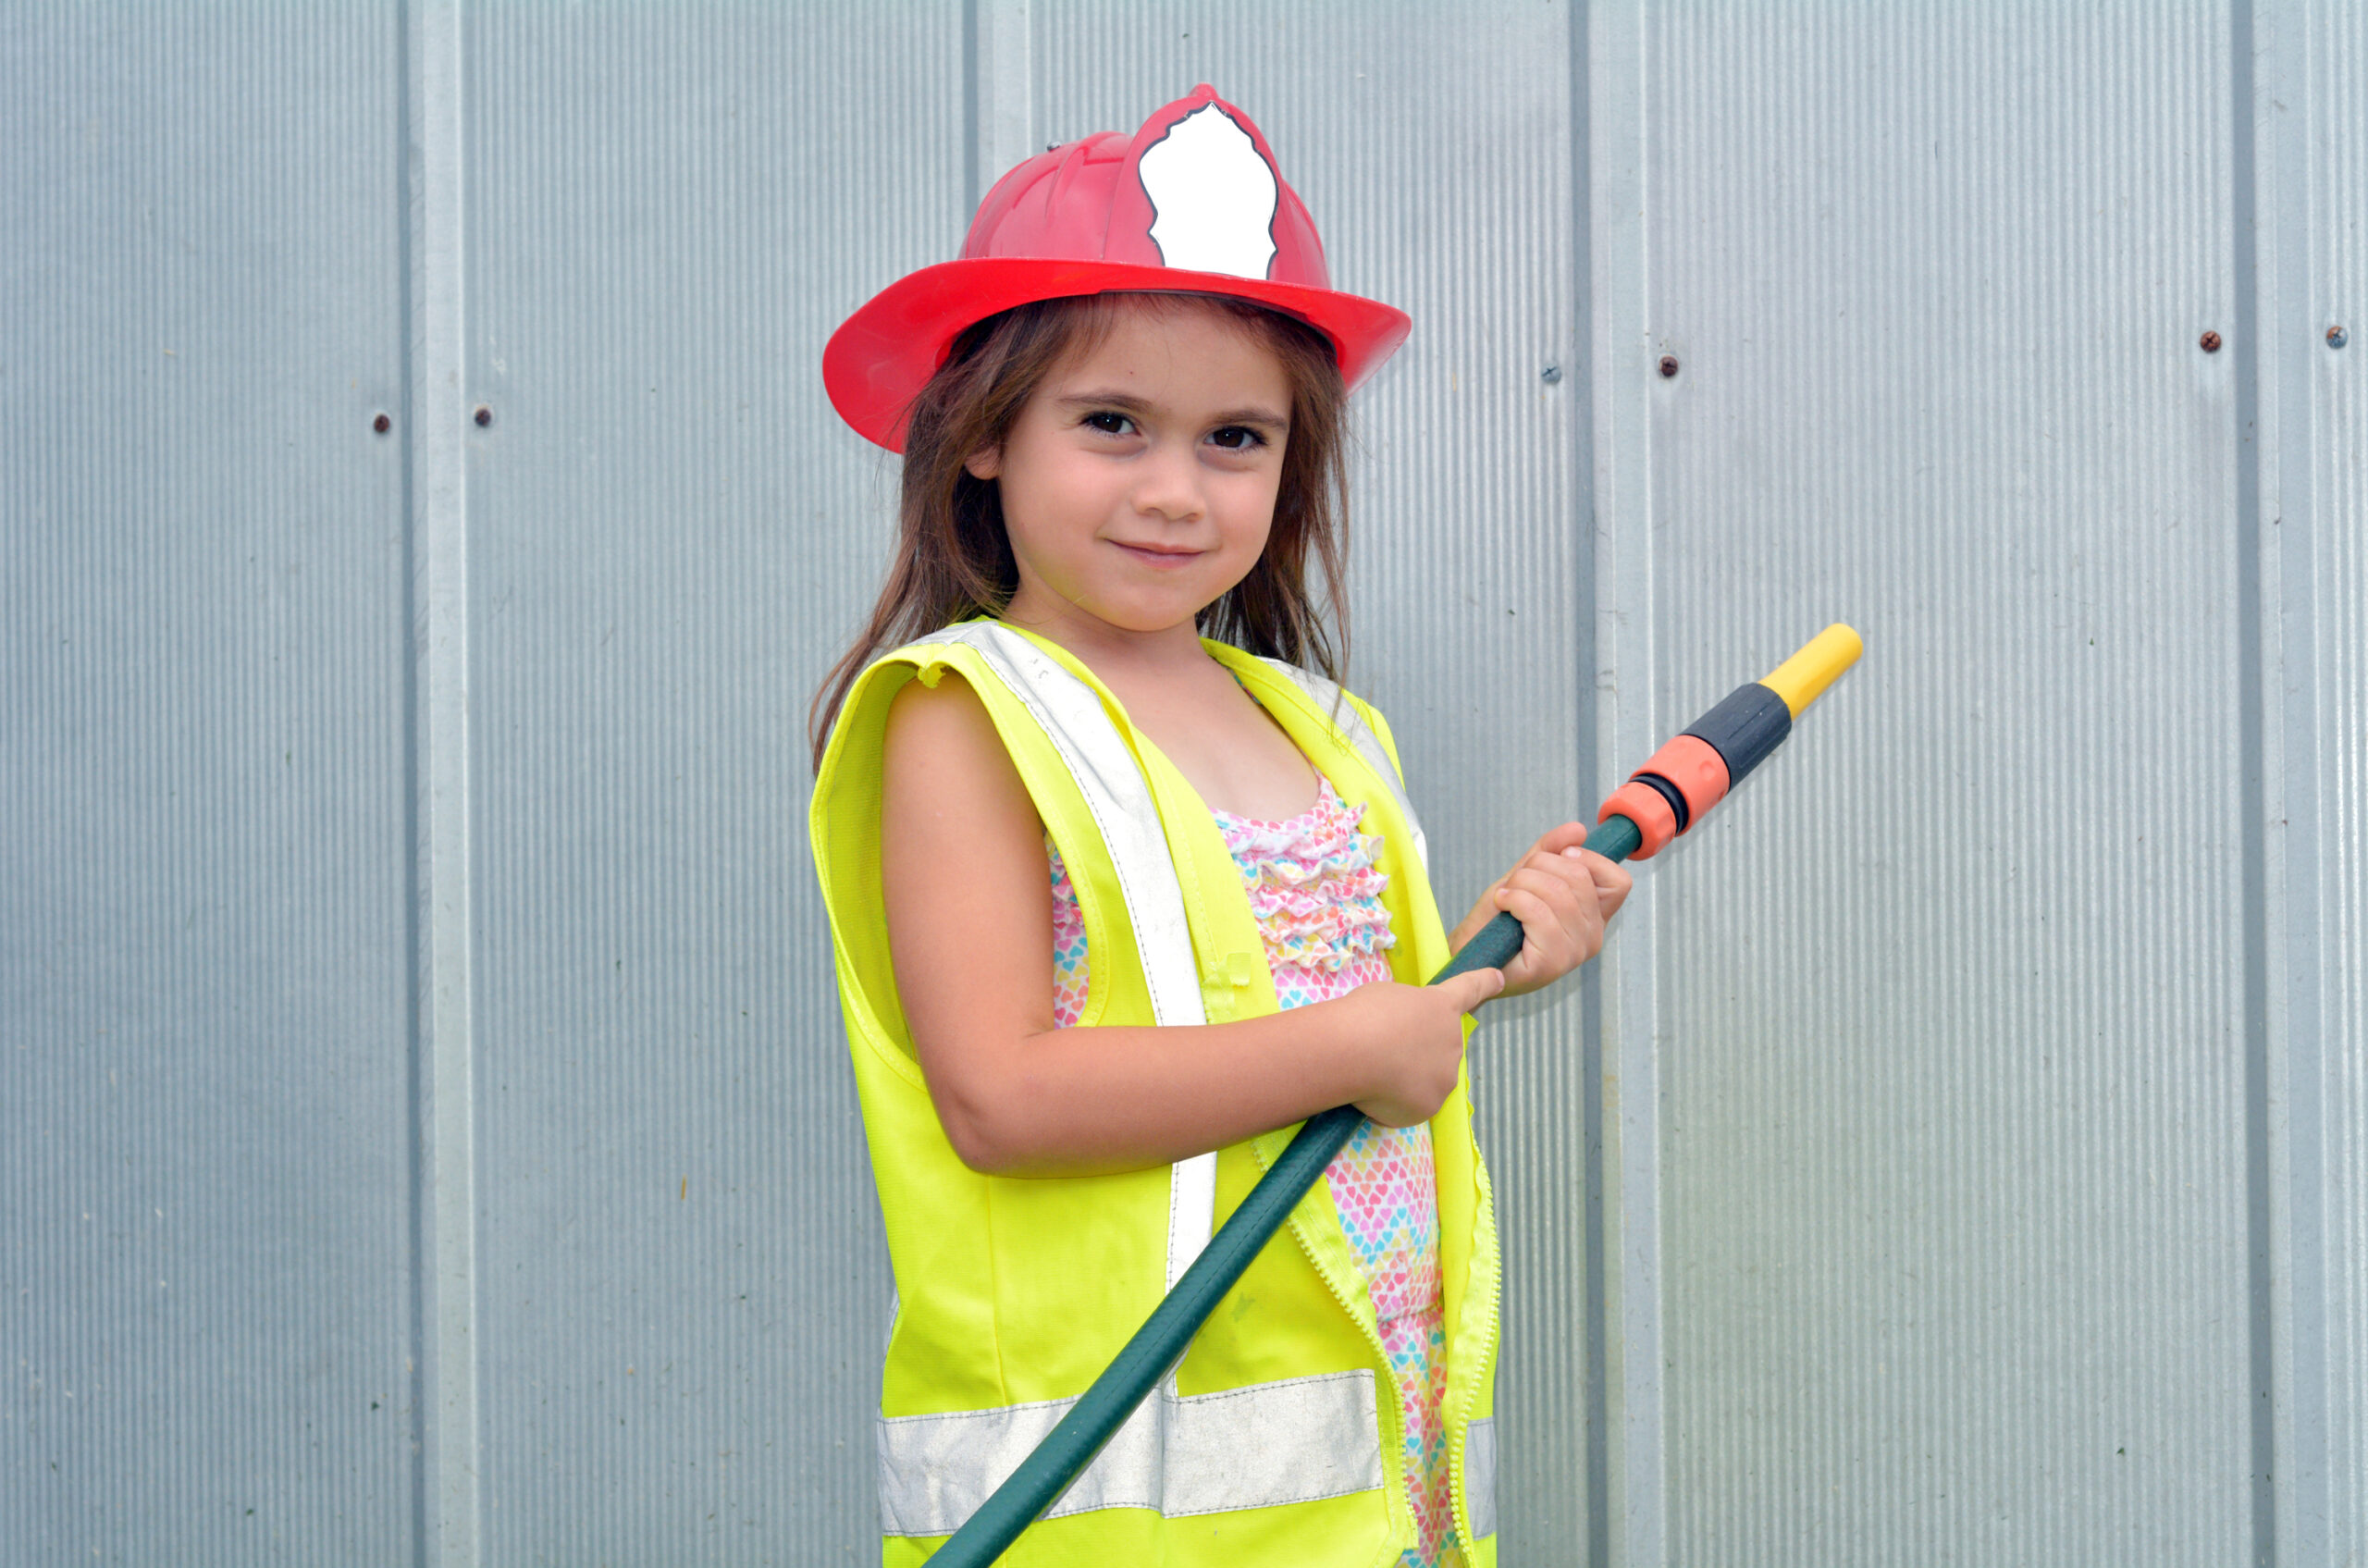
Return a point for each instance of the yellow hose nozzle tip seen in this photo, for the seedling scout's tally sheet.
(1803, 678)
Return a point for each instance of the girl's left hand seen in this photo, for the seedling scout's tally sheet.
(1563, 895)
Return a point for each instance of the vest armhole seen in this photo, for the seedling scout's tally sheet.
(845, 827)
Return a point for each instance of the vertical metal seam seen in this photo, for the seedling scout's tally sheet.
(2261, 1211)
(443, 1045)
(2283, 683)
(415, 1024)
(1595, 1486)
(974, 100)
(1619, 306)
(999, 36)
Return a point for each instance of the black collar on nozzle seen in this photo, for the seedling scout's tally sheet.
(1744, 728)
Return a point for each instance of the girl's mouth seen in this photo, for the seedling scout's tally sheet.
(1156, 555)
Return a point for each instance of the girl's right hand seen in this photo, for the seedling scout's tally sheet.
(1414, 1038)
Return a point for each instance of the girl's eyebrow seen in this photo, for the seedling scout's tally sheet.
(1126, 403)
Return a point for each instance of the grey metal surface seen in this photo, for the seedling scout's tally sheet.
(2328, 64)
(428, 1120)
(206, 1286)
(1951, 1007)
(444, 1242)
(682, 1289)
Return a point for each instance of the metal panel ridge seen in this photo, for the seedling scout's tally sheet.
(1628, 726)
(444, 892)
(2303, 1105)
(2320, 48)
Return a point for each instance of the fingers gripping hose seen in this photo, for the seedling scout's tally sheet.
(1671, 793)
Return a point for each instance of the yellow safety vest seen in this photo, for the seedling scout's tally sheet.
(1277, 1440)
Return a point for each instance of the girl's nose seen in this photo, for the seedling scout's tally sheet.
(1168, 484)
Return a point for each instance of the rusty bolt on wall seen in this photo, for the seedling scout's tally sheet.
(2210, 341)
(484, 417)
(2338, 336)
(1669, 366)
(382, 424)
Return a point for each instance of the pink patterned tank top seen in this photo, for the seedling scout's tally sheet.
(1316, 893)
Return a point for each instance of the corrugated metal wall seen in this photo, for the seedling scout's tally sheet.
(427, 1134)
(207, 1107)
(1955, 1023)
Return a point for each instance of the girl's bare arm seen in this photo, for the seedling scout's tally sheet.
(970, 928)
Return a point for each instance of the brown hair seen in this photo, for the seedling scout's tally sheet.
(954, 561)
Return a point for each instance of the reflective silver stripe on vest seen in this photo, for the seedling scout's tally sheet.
(1073, 719)
(1327, 695)
(1480, 1475)
(1259, 1447)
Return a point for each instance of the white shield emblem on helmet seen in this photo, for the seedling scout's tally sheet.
(1211, 196)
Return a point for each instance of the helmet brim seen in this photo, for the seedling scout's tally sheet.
(883, 355)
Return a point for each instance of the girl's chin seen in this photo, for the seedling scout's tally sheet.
(1126, 618)
(1129, 600)
(1145, 622)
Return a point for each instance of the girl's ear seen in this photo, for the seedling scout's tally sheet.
(984, 464)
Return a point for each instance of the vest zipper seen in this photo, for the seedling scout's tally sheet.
(1459, 1425)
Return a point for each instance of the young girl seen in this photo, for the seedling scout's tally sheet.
(1115, 904)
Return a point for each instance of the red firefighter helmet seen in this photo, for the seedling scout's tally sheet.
(1193, 202)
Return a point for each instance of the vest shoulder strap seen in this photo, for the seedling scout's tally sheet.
(1367, 734)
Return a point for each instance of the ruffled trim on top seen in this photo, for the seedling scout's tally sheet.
(1313, 883)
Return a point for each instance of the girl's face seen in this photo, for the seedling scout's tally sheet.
(1138, 482)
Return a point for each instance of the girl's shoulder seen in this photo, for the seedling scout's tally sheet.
(904, 719)
(938, 713)
(904, 694)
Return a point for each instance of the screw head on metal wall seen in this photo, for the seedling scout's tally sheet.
(2211, 342)
(1550, 375)
(484, 417)
(1669, 366)
(382, 424)
(2338, 336)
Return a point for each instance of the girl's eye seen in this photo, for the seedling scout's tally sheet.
(1109, 424)
(1237, 438)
